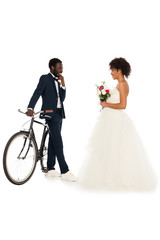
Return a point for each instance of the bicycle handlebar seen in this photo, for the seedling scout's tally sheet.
(33, 114)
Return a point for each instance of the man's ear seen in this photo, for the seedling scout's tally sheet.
(52, 68)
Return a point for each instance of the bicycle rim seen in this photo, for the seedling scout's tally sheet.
(20, 158)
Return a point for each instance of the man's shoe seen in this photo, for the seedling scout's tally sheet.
(68, 176)
(52, 173)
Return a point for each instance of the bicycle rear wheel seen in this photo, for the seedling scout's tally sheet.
(20, 158)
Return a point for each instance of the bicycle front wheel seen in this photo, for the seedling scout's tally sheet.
(20, 158)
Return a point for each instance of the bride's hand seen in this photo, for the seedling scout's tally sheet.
(103, 103)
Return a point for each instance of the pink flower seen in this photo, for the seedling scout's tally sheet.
(101, 87)
(107, 91)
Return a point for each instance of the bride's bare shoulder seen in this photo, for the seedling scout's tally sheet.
(123, 85)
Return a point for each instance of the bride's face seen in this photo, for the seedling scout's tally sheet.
(114, 73)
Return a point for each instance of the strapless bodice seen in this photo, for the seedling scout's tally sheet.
(115, 96)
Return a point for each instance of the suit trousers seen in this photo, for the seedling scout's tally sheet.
(55, 145)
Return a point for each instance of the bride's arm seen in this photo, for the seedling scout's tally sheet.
(123, 99)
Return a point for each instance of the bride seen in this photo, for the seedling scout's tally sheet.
(116, 158)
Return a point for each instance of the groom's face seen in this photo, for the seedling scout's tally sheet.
(58, 68)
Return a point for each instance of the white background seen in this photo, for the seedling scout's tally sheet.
(86, 36)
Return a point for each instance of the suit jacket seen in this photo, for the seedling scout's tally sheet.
(46, 88)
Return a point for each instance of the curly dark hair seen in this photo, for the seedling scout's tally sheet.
(122, 64)
(53, 62)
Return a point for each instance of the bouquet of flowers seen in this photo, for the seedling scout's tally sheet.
(103, 92)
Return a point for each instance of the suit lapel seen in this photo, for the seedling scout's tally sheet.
(53, 82)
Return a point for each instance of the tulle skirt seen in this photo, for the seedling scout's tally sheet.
(116, 158)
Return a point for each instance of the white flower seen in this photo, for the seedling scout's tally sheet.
(105, 87)
(103, 92)
(98, 92)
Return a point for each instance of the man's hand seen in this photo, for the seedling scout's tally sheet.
(60, 77)
(30, 112)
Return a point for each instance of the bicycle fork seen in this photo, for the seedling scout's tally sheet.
(29, 137)
(25, 149)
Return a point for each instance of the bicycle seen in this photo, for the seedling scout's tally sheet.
(21, 153)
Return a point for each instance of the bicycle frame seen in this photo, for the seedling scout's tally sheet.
(31, 136)
(44, 135)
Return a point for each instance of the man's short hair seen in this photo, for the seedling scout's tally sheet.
(53, 62)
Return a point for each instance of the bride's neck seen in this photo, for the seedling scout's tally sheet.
(121, 79)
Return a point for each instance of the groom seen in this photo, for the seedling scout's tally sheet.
(51, 88)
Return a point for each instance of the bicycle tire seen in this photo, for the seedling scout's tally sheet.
(13, 164)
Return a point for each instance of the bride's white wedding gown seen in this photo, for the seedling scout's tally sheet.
(116, 158)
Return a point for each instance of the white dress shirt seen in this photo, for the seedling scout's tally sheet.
(58, 101)
(56, 83)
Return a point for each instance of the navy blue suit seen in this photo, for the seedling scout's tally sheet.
(46, 88)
